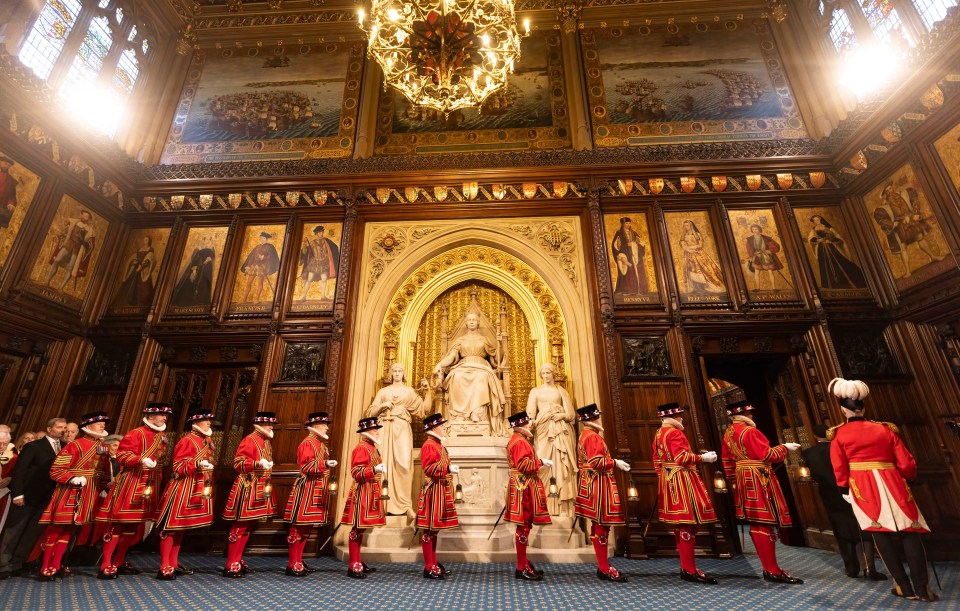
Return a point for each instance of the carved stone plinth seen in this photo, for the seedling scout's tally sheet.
(483, 476)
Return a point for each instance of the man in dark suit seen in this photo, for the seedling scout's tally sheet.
(854, 545)
(30, 490)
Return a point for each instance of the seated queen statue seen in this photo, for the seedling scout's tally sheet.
(468, 376)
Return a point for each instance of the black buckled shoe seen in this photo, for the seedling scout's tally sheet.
(48, 574)
(111, 572)
(182, 570)
(444, 569)
(528, 575)
(168, 573)
(356, 574)
(434, 574)
(234, 571)
(368, 569)
(783, 577)
(534, 569)
(126, 569)
(309, 569)
(293, 571)
(245, 568)
(698, 577)
(611, 575)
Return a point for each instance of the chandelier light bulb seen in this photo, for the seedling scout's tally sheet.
(360, 16)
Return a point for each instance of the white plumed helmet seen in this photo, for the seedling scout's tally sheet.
(854, 390)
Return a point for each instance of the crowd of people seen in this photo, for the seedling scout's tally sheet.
(76, 483)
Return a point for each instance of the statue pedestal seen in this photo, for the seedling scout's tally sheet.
(483, 476)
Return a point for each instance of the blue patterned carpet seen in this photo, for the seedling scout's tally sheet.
(653, 585)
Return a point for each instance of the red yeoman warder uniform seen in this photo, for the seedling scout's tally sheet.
(872, 467)
(80, 473)
(251, 496)
(187, 501)
(307, 504)
(598, 498)
(364, 508)
(135, 496)
(748, 455)
(435, 506)
(526, 499)
(681, 495)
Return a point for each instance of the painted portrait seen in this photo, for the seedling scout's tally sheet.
(702, 82)
(530, 110)
(268, 103)
(18, 185)
(762, 255)
(318, 264)
(68, 257)
(136, 281)
(696, 262)
(906, 228)
(632, 268)
(948, 148)
(836, 265)
(255, 282)
(198, 270)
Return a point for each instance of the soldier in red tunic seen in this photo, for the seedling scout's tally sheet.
(435, 509)
(682, 497)
(307, 505)
(872, 467)
(748, 455)
(598, 498)
(526, 498)
(135, 496)
(365, 507)
(80, 473)
(251, 497)
(187, 501)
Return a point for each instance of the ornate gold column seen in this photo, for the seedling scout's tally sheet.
(367, 113)
(569, 17)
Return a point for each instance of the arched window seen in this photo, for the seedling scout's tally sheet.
(885, 22)
(841, 31)
(932, 11)
(89, 50)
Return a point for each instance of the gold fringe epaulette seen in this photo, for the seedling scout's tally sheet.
(832, 431)
(893, 427)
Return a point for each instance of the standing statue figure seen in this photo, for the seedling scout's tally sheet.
(396, 405)
(550, 407)
(474, 390)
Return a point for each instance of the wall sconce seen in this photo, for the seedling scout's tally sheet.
(553, 493)
(719, 482)
(633, 494)
(385, 491)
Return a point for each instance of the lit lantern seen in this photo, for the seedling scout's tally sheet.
(633, 494)
(458, 494)
(719, 482)
(803, 472)
(332, 487)
(148, 492)
(207, 491)
(553, 493)
(385, 491)
(268, 487)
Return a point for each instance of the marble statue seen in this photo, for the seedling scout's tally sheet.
(549, 405)
(475, 392)
(396, 405)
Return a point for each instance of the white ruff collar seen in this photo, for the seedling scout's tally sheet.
(200, 431)
(93, 434)
(593, 424)
(370, 437)
(156, 428)
(263, 431)
(435, 436)
(319, 434)
(672, 422)
(743, 420)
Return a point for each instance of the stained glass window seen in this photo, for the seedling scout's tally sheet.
(932, 11)
(125, 76)
(93, 50)
(884, 21)
(145, 46)
(841, 31)
(119, 14)
(45, 42)
(133, 33)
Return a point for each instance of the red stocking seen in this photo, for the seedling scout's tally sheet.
(235, 543)
(598, 532)
(63, 542)
(51, 535)
(686, 537)
(175, 552)
(765, 541)
(429, 557)
(356, 540)
(128, 540)
(521, 541)
(166, 550)
(111, 539)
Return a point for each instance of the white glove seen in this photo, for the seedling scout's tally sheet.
(847, 498)
(792, 446)
(79, 480)
(381, 468)
(103, 494)
(547, 462)
(710, 456)
(332, 463)
(621, 464)
(206, 465)
(149, 463)
(265, 464)
(454, 469)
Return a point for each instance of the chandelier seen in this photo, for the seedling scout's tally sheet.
(444, 54)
